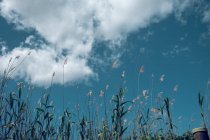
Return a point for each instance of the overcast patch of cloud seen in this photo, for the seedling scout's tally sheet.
(71, 27)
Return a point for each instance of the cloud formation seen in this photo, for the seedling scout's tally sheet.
(176, 50)
(70, 29)
(39, 66)
(206, 16)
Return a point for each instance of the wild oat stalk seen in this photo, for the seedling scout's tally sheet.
(90, 128)
(119, 112)
(65, 62)
(42, 126)
(65, 128)
(200, 101)
(83, 128)
(167, 106)
(103, 133)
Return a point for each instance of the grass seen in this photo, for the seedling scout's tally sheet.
(19, 121)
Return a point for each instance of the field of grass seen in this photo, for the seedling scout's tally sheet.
(19, 120)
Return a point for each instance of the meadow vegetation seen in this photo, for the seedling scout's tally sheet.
(20, 121)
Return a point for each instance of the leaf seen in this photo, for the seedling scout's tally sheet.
(47, 98)
(114, 100)
(40, 109)
(147, 113)
(140, 119)
(200, 99)
(11, 101)
(123, 131)
(159, 118)
(125, 103)
(49, 106)
(39, 123)
(46, 115)
(124, 113)
(19, 92)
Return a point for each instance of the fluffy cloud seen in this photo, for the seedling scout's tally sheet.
(39, 66)
(70, 29)
(121, 17)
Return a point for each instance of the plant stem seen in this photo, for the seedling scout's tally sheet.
(63, 88)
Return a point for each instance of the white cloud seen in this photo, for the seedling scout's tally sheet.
(3, 47)
(39, 66)
(73, 26)
(120, 16)
(179, 8)
(175, 51)
(206, 16)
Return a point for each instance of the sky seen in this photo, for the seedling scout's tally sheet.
(160, 46)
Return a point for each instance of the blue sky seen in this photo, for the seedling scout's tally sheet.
(102, 39)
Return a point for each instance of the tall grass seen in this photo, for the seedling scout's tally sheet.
(18, 120)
